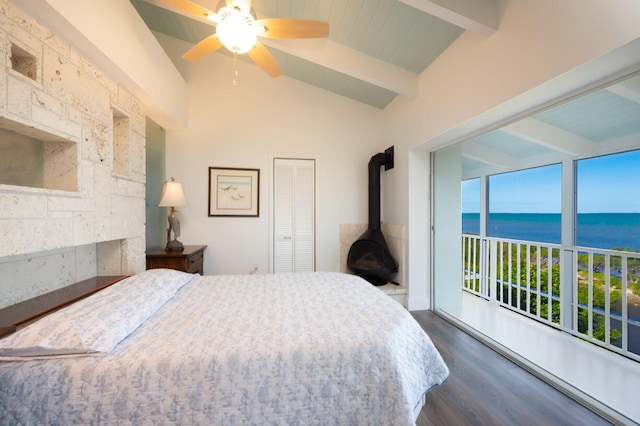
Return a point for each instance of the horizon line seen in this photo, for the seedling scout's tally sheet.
(552, 213)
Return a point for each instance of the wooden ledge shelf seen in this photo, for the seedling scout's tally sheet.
(22, 312)
(5, 331)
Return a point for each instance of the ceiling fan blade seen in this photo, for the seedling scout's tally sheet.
(293, 28)
(263, 58)
(189, 7)
(206, 46)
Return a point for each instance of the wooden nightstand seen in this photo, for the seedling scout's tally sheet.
(188, 260)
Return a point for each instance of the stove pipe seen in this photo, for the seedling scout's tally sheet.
(378, 160)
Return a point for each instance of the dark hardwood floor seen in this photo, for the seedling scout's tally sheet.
(485, 388)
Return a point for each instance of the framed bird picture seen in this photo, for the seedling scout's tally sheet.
(234, 192)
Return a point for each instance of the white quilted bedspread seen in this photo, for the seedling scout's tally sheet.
(284, 349)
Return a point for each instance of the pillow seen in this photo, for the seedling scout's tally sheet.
(163, 279)
(99, 322)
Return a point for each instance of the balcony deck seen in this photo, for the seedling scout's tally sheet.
(602, 380)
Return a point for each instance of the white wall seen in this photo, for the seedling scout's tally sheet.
(480, 82)
(447, 224)
(245, 126)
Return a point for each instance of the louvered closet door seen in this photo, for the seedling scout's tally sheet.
(294, 215)
(283, 215)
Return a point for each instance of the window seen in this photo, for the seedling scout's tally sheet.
(471, 206)
(525, 204)
(608, 202)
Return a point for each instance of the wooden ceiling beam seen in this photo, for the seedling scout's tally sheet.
(551, 137)
(478, 16)
(489, 156)
(350, 62)
(629, 89)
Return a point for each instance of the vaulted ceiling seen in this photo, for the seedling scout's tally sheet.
(375, 51)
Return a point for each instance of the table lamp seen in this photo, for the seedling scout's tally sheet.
(172, 196)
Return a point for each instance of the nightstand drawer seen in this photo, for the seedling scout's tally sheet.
(196, 263)
(191, 259)
(169, 263)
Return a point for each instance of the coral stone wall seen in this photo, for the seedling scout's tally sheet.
(90, 206)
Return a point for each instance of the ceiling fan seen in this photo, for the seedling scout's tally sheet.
(237, 29)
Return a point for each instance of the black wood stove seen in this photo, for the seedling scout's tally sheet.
(369, 257)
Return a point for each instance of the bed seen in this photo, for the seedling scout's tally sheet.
(165, 347)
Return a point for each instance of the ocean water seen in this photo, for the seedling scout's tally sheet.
(596, 230)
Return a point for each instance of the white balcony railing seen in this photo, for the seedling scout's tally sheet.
(593, 294)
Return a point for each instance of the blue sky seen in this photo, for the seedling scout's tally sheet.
(608, 184)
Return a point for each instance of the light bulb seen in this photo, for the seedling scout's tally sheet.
(235, 31)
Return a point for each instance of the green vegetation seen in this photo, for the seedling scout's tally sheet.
(519, 278)
(516, 276)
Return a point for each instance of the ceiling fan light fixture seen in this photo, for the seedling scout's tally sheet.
(236, 30)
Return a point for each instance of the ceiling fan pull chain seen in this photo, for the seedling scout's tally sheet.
(235, 68)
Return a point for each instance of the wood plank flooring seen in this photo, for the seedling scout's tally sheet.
(485, 388)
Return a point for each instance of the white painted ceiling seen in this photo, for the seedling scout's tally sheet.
(375, 51)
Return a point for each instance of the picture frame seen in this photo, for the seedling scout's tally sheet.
(234, 192)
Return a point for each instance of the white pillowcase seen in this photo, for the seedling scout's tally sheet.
(99, 322)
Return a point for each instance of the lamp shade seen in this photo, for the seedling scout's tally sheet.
(172, 195)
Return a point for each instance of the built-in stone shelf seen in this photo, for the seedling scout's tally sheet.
(46, 162)
(29, 275)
